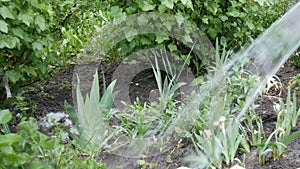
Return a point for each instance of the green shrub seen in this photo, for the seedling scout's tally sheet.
(37, 38)
(234, 22)
(25, 36)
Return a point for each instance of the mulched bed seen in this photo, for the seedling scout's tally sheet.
(50, 97)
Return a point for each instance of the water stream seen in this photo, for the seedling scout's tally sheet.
(265, 56)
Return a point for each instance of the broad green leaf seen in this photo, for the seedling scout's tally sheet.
(161, 38)
(145, 5)
(162, 8)
(212, 32)
(168, 3)
(37, 45)
(13, 75)
(172, 47)
(260, 2)
(40, 21)
(3, 26)
(115, 12)
(204, 19)
(14, 159)
(212, 7)
(3, 44)
(36, 164)
(197, 81)
(19, 32)
(148, 6)
(5, 13)
(250, 25)
(7, 149)
(13, 42)
(236, 14)
(27, 18)
(8, 139)
(235, 4)
(223, 18)
(188, 3)
(43, 68)
(23, 158)
(145, 41)
(30, 71)
(35, 3)
(49, 143)
(5, 116)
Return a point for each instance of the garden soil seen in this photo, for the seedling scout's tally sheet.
(50, 96)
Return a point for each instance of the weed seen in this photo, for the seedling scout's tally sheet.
(296, 59)
(5, 117)
(28, 148)
(294, 83)
(216, 146)
(145, 164)
(138, 120)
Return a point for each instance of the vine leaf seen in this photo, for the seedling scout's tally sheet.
(188, 3)
(168, 3)
(27, 18)
(3, 26)
(40, 21)
(5, 13)
(13, 75)
(5, 116)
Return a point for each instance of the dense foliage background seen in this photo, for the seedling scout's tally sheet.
(39, 37)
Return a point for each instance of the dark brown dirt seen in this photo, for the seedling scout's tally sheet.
(50, 97)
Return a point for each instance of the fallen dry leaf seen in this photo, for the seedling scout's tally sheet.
(237, 167)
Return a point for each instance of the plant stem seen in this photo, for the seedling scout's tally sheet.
(8, 95)
(6, 86)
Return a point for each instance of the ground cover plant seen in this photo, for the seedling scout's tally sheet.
(31, 48)
(29, 148)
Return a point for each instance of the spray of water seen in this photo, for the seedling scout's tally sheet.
(264, 56)
(262, 59)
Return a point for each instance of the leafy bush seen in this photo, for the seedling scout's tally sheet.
(25, 38)
(235, 22)
(36, 37)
